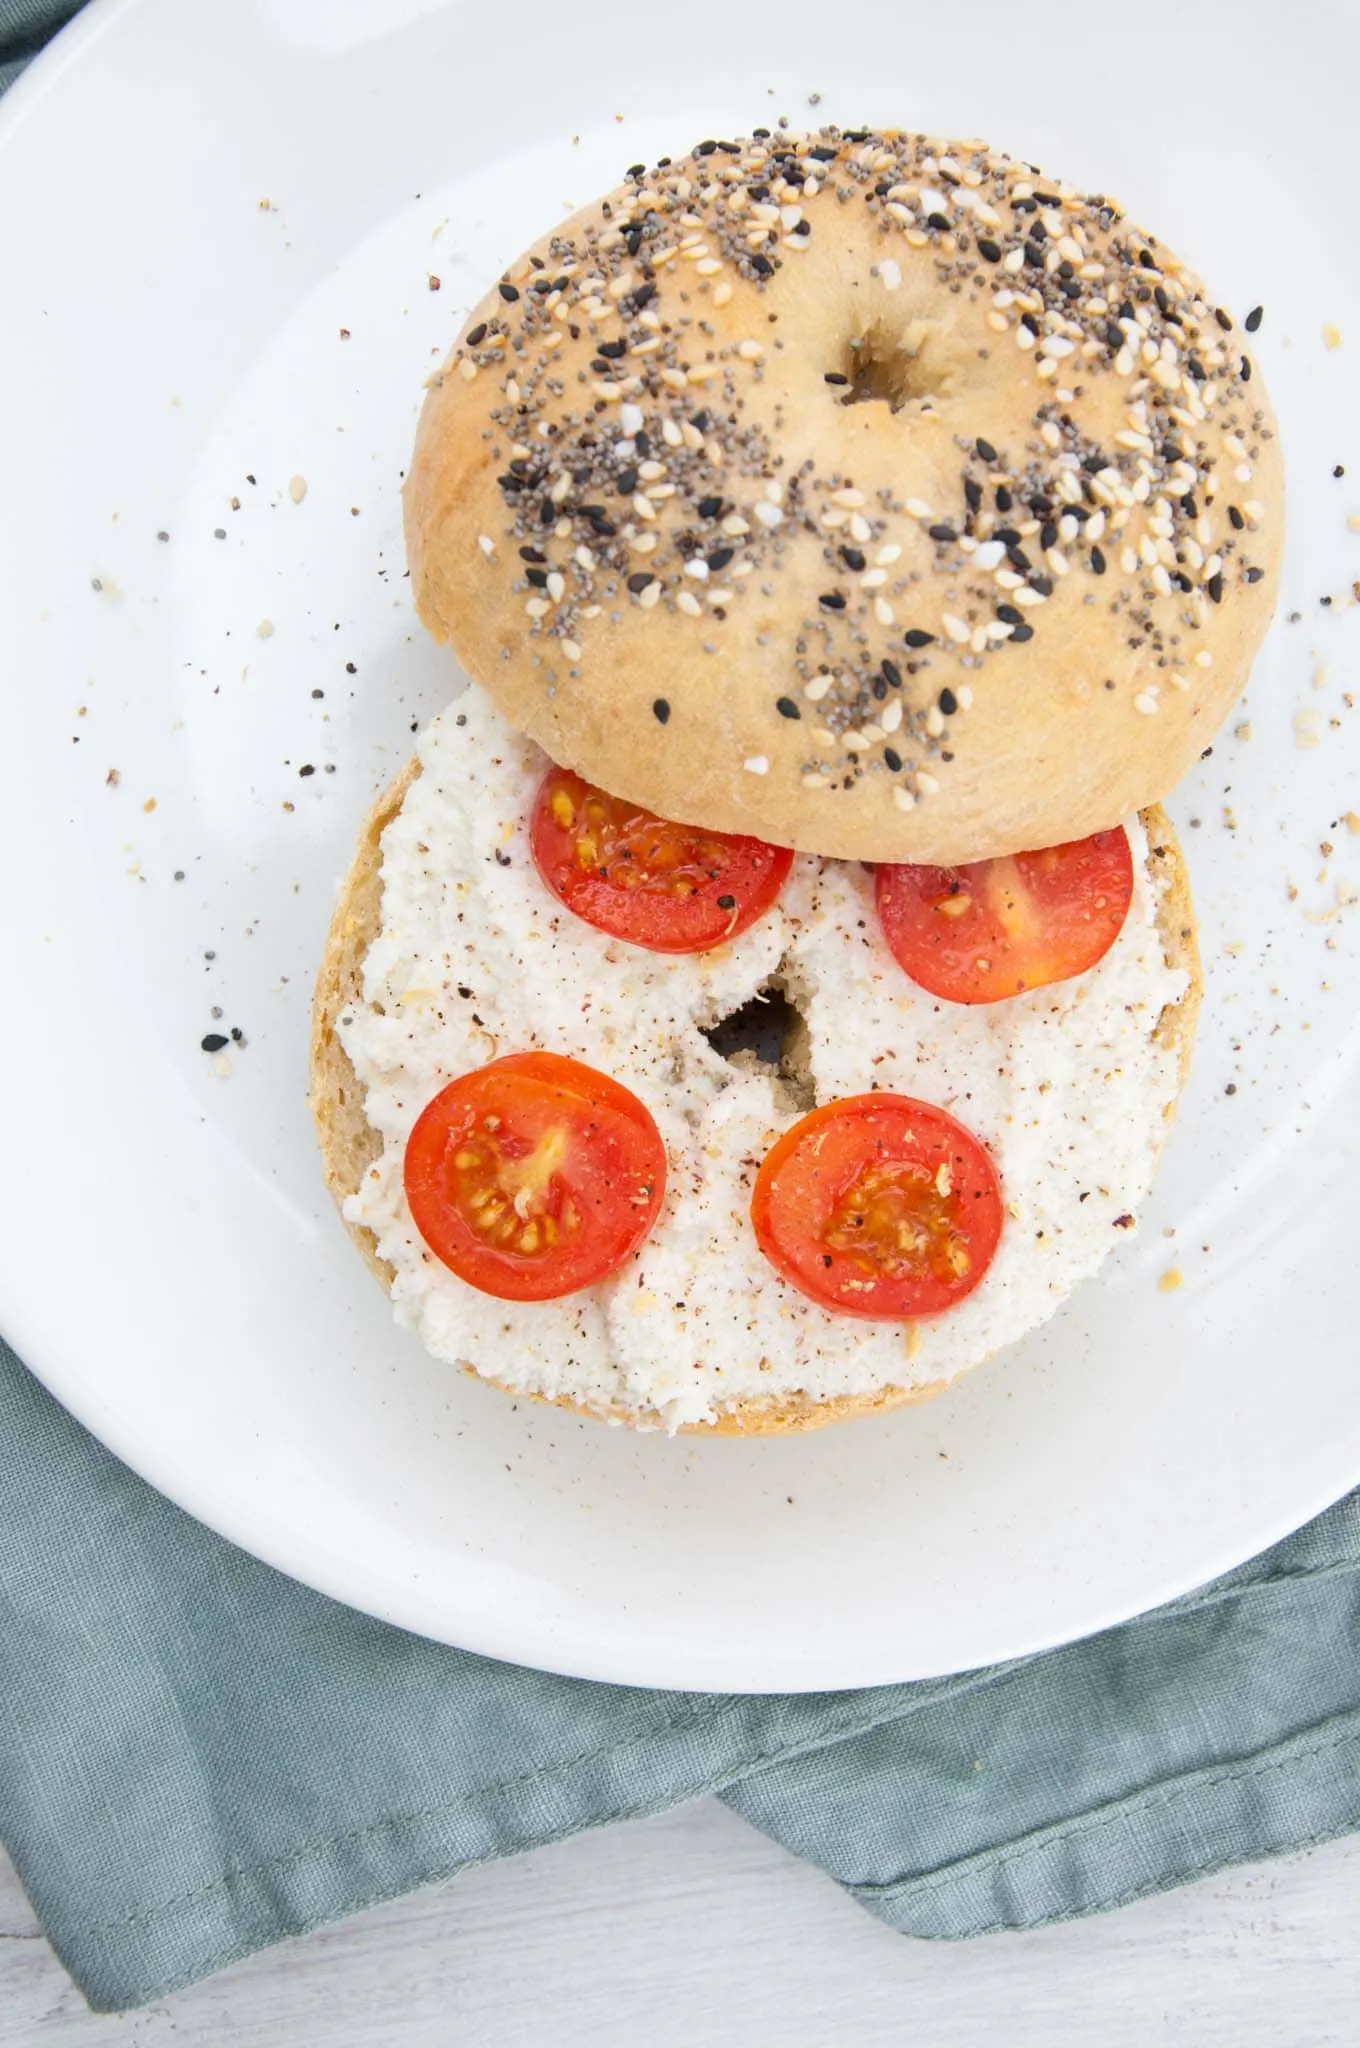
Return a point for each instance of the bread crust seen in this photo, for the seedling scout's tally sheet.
(732, 676)
(349, 1143)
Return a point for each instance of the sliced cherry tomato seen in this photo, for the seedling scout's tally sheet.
(879, 1206)
(997, 927)
(534, 1176)
(670, 888)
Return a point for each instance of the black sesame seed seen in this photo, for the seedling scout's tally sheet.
(612, 350)
(1008, 536)
(1043, 584)
(306, 769)
(1027, 320)
(709, 508)
(762, 265)
(1190, 505)
(1071, 287)
(532, 555)
(632, 241)
(892, 760)
(786, 707)
(948, 703)
(1021, 634)
(821, 156)
(1215, 588)
(832, 600)
(661, 710)
(1163, 302)
(1048, 535)
(1254, 319)
(539, 578)
(1255, 575)
(803, 227)
(1235, 518)
(636, 171)
(834, 377)
(719, 559)
(985, 450)
(1098, 561)
(643, 296)
(1018, 559)
(642, 580)
(1004, 500)
(509, 293)
(940, 221)
(942, 532)
(1340, 469)
(476, 334)
(973, 494)
(989, 249)
(879, 688)
(852, 558)
(701, 422)
(626, 482)
(1034, 255)
(892, 674)
(1010, 615)
(214, 1042)
(605, 528)
(1224, 319)
(916, 638)
(547, 513)
(1147, 259)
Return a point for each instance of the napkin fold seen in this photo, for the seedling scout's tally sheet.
(198, 1756)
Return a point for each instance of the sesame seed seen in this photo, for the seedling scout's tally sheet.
(955, 628)
(915, 637)
(687, 602)
(758, 764)
(786, 707)
(661, 710)
(1254, 319)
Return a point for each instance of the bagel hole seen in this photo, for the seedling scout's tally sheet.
(767, 1035)
(896, 368)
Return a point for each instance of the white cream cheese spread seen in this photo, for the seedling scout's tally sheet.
(1067, 1086)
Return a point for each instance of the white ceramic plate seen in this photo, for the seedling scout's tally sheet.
(221, 227)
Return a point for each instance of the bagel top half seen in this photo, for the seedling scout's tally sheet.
(876, 495)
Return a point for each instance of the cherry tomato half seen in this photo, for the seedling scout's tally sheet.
(997, 927)
(879, 1206)
(534, 1176)
(670, 888)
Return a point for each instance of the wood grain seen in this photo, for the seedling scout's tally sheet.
(693, 1929)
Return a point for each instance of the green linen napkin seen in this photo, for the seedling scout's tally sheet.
(199, 1756)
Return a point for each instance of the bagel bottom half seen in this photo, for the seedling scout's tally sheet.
(350, 1144)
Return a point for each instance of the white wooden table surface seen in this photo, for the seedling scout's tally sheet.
(693, 1932)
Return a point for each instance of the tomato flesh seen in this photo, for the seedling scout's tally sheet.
(879, 1206)
(534, 1176)
(670, 888)
(995, 928)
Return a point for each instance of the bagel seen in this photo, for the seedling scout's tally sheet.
(874, 495)
(445, 951)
